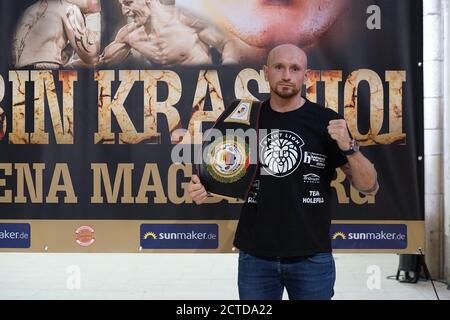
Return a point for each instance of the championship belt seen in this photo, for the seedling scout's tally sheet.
(226, 169)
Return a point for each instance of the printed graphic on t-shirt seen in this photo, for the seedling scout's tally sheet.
(315, 160)
(252, 195)
(313, 197)
(311, 178)
(281, 153)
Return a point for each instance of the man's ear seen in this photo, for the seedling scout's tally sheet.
(266, 72)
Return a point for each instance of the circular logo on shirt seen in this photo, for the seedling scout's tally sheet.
(228, 160)
(281, 153)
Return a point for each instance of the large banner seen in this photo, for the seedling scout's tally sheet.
(103, 105)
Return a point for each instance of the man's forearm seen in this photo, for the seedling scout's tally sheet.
(364, 175)
(114, 53)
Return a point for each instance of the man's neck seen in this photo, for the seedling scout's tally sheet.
(285, 105)
(159, 14)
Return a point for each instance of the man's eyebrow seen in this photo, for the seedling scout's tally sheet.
(290, 65)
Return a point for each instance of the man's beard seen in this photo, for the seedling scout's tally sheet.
(285, 94)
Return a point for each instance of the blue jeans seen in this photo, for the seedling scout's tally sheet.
(305, 278)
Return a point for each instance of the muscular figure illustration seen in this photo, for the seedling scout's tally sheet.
(164, 34)
(50, 31)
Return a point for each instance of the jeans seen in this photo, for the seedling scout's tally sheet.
(305, 278)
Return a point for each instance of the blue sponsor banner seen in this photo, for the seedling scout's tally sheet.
(369, 236)
(179, 236)
(15, 235)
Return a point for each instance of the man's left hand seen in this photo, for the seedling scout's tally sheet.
(337, 129)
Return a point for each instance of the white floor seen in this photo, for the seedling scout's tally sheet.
(182, 276)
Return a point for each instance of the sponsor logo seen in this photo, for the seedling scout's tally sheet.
(150, 234)
(84, 236)
(281, 153)
(315, 160)
(311, 178)
(15, 235)
(369, 236)
(339, 235)
(228, 160)
(179, 236)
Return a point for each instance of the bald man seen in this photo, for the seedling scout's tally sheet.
(166, 35)
(50, 31)
(283, 231)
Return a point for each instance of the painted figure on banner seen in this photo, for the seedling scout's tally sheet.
(259, 25)
(52, 33)
(161, 33)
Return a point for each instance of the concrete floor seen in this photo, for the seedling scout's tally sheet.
(182, 276)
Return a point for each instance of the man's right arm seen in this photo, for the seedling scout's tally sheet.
(119, 49)
(80, 37)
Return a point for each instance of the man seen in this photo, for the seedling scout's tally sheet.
(283, 231)
(259, 25)
(48, 29)
(165, 35)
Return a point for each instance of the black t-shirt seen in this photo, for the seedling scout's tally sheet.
(288, 210)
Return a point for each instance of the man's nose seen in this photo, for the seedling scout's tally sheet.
(286, 74)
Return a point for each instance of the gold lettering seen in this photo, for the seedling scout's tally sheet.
(44, 86)
(123, 172)
(332, 79)
(173, 183)
(244, 77)
(151, 171)
(2, 112)
(208, 82)
(355, 196)
(18, 134)
(108, 103)
(396, 80)
(61, 170)
(7, 170)
(24, 178)
(338, 184)
(235, 201)
(152, 107)
(358, 198)
(311, 79)
(376, 105)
